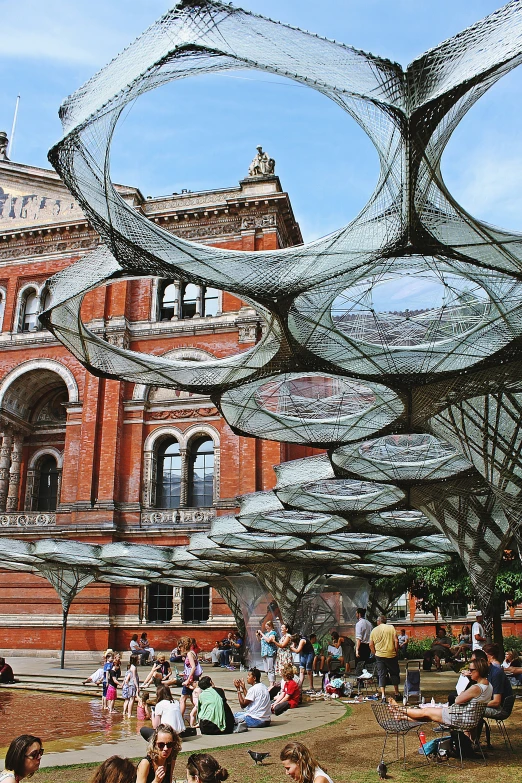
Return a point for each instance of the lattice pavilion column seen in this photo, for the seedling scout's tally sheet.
(5, 464)
(14, 472)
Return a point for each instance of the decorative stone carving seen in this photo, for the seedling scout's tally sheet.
(258, 221)
(185, 413)
(120, 339)
(14, 473)
(28, 519)
(177, 516)
(262, 165)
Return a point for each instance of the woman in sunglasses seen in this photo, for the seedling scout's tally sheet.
(479, 691)
(162, 751)
(22, 759)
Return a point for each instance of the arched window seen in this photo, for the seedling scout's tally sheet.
(168, 301)
(2, 307)
(48, 485)
(211, 301)
(169, 475)
(201, 473)
(29, 313)
(189, 302)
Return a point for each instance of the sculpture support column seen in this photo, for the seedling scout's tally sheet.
(5, 464)
(14, 473)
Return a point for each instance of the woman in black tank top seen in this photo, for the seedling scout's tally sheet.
(162, 751)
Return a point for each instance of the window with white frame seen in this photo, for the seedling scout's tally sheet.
(29, 311)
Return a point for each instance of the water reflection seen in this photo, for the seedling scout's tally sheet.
(63, 722)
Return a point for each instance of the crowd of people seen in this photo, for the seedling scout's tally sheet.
(157, 766)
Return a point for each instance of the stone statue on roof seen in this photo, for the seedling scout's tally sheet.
(4, 143)
(262, 165)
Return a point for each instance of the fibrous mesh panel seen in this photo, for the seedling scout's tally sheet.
(403, 327)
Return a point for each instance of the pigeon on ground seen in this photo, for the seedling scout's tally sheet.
(382, 769)
(257, 757)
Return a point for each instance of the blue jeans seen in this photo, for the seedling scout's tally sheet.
(252, 723)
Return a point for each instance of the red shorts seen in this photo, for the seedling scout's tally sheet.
(111, 693)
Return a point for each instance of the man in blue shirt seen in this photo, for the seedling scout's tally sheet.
(500, 683)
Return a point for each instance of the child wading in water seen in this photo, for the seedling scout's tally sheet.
(131, 686)
(142, 710)
(107, 666)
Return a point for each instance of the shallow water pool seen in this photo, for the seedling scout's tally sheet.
(62, 721)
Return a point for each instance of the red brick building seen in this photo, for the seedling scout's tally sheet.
(100, 460)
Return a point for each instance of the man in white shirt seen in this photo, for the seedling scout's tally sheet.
(477, 633)
(363, 629)
(255, 703)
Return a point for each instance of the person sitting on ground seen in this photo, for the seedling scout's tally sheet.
(464, 645)
(511, 663)
(303, 647)
(301, 765)
(22, 759)
(480, 692)
(137, 650)
(162, 752)
(403, 640)
(499, 682)
(441, 648)
(214, 655)
(166, 712)
(96, 677)
(164, 667)
(335, 650)
(289, 695)
(115, 770)
(145, 646)
(255, 703)
(204, 768)
(6, 673)
(214, 713)
(175, 655)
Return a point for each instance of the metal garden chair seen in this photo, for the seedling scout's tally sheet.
(507, 709)
(395, 723)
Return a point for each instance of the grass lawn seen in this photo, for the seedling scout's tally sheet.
(350, 749)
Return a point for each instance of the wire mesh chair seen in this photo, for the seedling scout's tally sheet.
(395, 723)
(504, 713)
(466, 719)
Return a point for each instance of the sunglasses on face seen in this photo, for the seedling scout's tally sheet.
(162, 745)
(472, 670)
(36, 754)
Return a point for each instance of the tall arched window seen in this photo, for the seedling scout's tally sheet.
(201, 473)
(29, 315)
(48, 485)
(168, 301)
(189, 302)
(211, 301)
(169, 475)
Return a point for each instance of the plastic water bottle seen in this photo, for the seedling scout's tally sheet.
(405, 700)
(432, 701)
(422, 737)
(423, 701)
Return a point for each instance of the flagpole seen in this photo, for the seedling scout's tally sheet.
(13, 127)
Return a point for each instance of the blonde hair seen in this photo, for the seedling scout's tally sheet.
(184, 643)
(299, 754)
(163, 728)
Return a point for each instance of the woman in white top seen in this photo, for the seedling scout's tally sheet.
(166, 711)
(481, 691)
(301, 766)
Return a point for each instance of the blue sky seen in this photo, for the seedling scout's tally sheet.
(203, 133)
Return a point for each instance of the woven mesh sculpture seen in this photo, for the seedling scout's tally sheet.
(405, 398)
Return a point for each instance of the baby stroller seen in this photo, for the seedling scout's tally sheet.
(412, 684)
